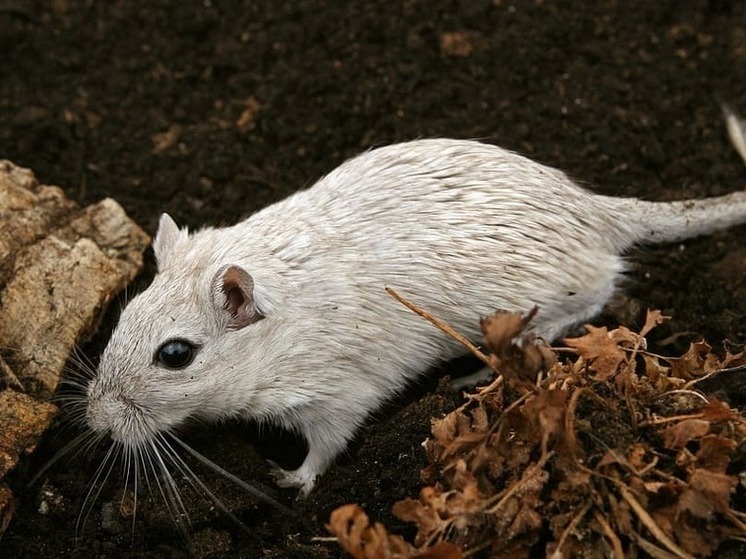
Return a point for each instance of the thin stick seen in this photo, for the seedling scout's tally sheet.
(571, 527)
(730, 515)
(651, 549)
(506, 494)
(650, 524)
(442, 326)
(735, 369)
(662, 420)
(680, 391)
(616, 543)
(570, 436)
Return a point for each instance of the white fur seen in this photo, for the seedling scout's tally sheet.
(462, 228)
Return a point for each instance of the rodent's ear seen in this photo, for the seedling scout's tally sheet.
(166, 238)
(233, 292)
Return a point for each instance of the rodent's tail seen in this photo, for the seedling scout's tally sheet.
(661, 222)
(668, 222)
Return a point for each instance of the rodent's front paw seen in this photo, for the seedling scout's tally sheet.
(300, 478)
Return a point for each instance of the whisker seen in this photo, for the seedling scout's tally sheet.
(172, 496)
(84, 367)
(75, 444)
(88, 503)
(135, 492)
(199, 485)
(252, 490)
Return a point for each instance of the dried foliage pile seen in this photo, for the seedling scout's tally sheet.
(612, 454)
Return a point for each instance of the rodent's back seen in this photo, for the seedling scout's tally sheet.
(461, 226)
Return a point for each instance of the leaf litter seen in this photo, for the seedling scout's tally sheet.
(609, 452)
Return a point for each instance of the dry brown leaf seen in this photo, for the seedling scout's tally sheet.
(656, 371)
(446, 429)
(678, 435)
(351, 526)
(714, 453)
(516, 513)
(718, 411)
(527, 520)
(653, 318)
(437, 511)
(547, 412)
(696, 540)
(665, 518)
(508, 484)
(500, 329)
(609, 458)
(708, 493)
(636, 456)
(697, 361)
(600, 349)
(518, 358)
(425, 518)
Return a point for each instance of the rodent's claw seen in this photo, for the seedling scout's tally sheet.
(298, 479)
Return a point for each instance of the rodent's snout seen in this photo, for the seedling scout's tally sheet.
(113, 415)
(102, 413)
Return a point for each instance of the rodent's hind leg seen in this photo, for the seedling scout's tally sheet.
(325, 441)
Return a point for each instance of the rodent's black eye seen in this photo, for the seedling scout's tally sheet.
(176, 354)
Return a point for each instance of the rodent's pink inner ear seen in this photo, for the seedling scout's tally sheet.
(237, 288)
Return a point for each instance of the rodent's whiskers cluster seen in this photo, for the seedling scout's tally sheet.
(154, 461)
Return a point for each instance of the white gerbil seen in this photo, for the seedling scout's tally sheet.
(283, 317)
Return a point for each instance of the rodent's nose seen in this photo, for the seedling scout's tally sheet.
(107, 415)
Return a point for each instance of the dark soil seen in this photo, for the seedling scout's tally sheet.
(622, 95)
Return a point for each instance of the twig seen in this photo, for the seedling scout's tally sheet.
(735, 369)
(662, 420)
(650, 524)
(629, 371)
(668, 477)
(616, 543)
(442, 326)
(682, 391)
(498, 426)
(651, 549)
(491, 387)
(513, 489)
(733, 517)
(474, 550)
(573, 524)
(570, 438)
(439, 532)
(649, 467)
(738, 514)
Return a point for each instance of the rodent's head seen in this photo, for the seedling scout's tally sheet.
(159, 366)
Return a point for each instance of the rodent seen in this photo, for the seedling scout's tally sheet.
(283, 317)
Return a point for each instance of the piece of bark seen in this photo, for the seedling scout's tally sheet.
(8, 378)
(6, 506)
(60, 266)
(22, 420)
(28, 211)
